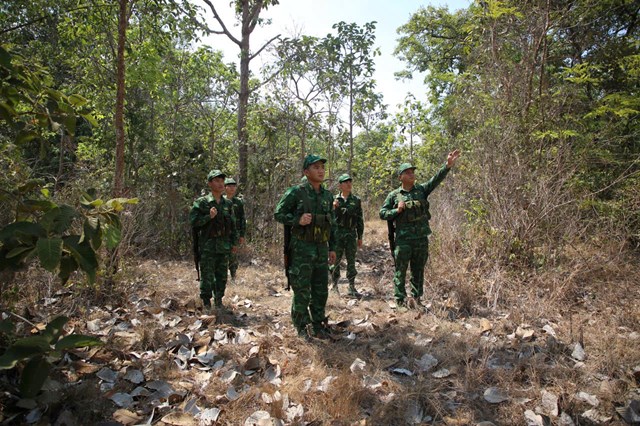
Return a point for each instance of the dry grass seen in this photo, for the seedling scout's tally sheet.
(476, 307)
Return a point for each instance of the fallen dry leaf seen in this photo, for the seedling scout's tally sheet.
(126, 417)
(180, 419)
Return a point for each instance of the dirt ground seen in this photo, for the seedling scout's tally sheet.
(165, 361)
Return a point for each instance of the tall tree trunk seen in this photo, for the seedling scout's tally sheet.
(243, 103)
(118, 181)
(350, 159)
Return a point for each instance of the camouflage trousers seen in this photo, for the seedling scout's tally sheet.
(308, 274)
(233, 264)
(347, 244)
(213, 273)
(413, 255)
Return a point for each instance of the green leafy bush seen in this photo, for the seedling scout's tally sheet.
(37, 353)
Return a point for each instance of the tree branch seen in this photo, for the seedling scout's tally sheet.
(263, 47)
(224, 28)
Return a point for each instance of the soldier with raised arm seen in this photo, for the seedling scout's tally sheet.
(408, 207)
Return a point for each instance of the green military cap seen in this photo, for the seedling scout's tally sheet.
(310, 159)
(405, 166)
(343, 178)
(230, 181)
(214, 174)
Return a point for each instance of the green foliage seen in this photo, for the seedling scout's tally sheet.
(37, 353)
(48, 230)
(542, 97)
(29, 105)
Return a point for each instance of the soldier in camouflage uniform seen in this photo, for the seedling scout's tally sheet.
(308, 209)
(408, 207)
(350, 220)
(212, 216)
(230, 187)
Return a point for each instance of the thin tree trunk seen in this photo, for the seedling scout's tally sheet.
(118, 182)
(350, 159)
(243, 102)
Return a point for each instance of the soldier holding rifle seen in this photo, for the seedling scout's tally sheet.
(308, 209)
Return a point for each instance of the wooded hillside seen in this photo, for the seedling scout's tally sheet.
(113, 113)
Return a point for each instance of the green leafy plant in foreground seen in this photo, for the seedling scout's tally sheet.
(62, 238)
(37, 353)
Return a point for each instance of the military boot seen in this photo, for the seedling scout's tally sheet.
(334, 288)
(352, 291)
(322, 330)
(206, 306)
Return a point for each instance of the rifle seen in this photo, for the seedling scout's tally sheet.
(391, 228)
(287, 257)
(196, 250)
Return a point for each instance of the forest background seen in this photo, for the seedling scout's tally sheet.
(121, 100)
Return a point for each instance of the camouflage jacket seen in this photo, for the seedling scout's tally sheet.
(349, 214)
(413, 222)
(302, 199)
(221, 229)
(238, 212)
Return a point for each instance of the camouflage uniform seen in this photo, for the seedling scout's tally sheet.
(310, 246)
(216, 237)
(350, 220)
(241, 225)
(412, 232)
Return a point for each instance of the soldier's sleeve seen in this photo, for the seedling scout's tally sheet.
(334, 228)
(388, 211)
(360, 218)
(199, 214)
(285, 212)
(242, 220)
(234, 225)
(436, 179)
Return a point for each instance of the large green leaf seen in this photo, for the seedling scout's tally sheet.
(67, 265)
(83, 254)
(77, 100)
(58, 219)
(31, 206)
(18, 251)
(39, 343)
(22, 349)
(49, 252)
(20, 229)
(77, 341)
(112, 235)
(15, 354)
(54, 329)
(34, 375)
(117, 204)
(91, 119)
(88, 200)
(91, 232)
